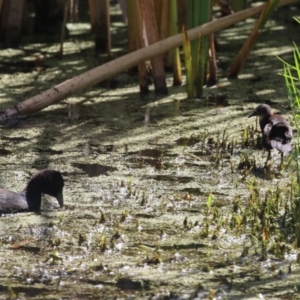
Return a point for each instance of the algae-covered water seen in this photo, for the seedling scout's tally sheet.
(158, 196)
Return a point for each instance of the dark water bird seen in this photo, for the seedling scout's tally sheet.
(48, 182)
(276, 131)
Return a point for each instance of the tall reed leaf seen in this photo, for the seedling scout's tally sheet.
(291, 73)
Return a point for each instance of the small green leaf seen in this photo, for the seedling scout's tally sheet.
(209, 200)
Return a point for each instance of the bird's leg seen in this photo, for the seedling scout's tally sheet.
(269, 155)
(281, 163)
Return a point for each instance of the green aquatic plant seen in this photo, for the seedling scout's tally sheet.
(291, 74)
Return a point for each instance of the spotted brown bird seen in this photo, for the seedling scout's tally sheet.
(276, 131)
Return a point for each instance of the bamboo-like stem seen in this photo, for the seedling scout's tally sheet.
(92, 14)
(182, 14)
(199, 80)
(114, 67)
(124, 8)
(140, 42)
(157, 64)
(177, 74)
(158, 7)
(11, 22)
(100, 20)
(212, 63)
(63, 28)
(188, 64)
(248, 45)
(164, 24)
(165, 30)
(191, 24)
(131, 26)
(205, 16)
(175, 54)
(199, 12)
(74, 10)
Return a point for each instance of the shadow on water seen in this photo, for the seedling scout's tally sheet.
(15, 139)
(9, 67)
(28, 291)
(93, 170)
(151, 157)
(188, 141)
(50, 151)
(17, 122)
(127, 284)
(219, 100)
(4, 152)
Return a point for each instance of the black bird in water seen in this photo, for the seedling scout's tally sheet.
(48, 182)
(276, 131)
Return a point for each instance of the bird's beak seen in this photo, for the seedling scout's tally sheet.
(254, 113)
(60, 199)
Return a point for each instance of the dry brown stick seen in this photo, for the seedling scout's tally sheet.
(63, 28)
(110, 69)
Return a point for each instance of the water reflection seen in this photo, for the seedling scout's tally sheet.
(93, 170)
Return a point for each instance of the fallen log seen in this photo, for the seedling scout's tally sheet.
(110, 69)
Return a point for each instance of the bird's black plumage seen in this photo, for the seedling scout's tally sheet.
(44, 182)
(276, 131)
